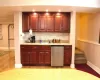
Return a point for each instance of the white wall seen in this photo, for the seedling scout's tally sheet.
(88, 39)
(17, 32)
(72, 36)
(86, 3)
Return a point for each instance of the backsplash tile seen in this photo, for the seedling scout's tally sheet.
(47, 36)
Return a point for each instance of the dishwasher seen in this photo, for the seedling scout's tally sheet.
(57, 55)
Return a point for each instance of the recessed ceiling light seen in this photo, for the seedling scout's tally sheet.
(47, 10)
(47, 13)
(59, 10)
(58, 14)
(33, 10)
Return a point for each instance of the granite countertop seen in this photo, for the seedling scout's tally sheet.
(46, 44)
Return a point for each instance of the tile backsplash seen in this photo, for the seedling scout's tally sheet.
(47, 36)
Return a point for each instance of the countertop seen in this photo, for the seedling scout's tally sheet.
(45, 44)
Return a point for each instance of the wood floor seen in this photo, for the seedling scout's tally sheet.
(7, 60)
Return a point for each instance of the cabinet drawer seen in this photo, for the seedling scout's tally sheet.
(44, 48)
(26, 46)
(68, 47)
(35, 47)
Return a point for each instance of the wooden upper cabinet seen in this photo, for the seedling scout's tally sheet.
(25, 22)
(34, 21)
(46, 22)
(62, 22)
(66, 23)
(42, 21)
(58, 22)
(49, 22)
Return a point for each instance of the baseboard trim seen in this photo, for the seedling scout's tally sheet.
(18, 65)
(72, 65)
(93, 67)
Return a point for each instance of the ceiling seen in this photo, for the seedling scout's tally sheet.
(9, 11)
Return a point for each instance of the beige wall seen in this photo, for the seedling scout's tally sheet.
(4, 41)
(88, 27)
(4, 23)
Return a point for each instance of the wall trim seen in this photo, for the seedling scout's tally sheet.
(18, 65)
(87, 41)
(93, 67)
(72, 65)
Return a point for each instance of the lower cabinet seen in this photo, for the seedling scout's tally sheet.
(45, 57)
(35, 55)
(67, 54)
(25, 57)
(41, 55)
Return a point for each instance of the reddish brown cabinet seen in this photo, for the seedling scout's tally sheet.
(47, 59)
(25, 22)
(29, 55)
(45, 55)
(49, 22)
(58, 22)
(41, 57)
(25, 57)
(33, 21)
(42, 21)
(35, 55)
(46, 22)
(66, 23)
(67, 54)
(62, 22)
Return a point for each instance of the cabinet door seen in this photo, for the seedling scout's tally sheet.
(42, 21)
(25, 22)
(34, 21)
(49, 23)
(25, 57)
(67, 55)
(58, 23)
(34, 57)
(41, 57)
(66, 23)
(47, 57)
